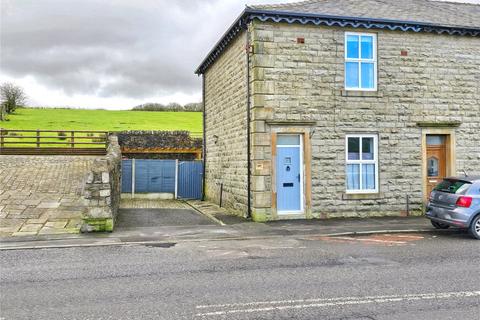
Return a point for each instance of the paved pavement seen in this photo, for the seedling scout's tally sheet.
(200, 221)
(41, 195)
(146, 229)
(223, 216)
(404, 276)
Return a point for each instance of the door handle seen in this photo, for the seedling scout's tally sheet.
(298, 177)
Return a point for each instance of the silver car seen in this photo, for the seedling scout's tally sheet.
(456, 202)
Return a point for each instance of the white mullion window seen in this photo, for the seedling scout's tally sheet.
(360, 61)
(362, 163)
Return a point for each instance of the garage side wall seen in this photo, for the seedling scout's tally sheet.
(226, 127)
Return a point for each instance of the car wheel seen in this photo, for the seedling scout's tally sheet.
(475, 228)
(439, 225)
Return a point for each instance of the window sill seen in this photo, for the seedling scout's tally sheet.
(360, 93)
(362, 196)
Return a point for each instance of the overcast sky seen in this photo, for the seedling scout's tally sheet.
(111, 54)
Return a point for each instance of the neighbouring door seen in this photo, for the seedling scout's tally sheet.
(289, 175)
(436, 160)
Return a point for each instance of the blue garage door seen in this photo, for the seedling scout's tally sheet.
(151, 176)
(190, 179)
(127, 175)
(158, 176)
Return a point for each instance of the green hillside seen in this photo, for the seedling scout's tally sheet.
(82, 119)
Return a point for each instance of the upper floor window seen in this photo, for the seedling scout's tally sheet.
(360, 61)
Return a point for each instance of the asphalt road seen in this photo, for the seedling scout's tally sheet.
(422, 276)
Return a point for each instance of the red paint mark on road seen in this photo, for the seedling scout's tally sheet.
(389, 239)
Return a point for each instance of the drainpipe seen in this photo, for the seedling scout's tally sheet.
(249, 202)
(204, 146)
(408, 205)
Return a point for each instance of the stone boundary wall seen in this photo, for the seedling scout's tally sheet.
(160, 145)
(158, 139)
(102, 190)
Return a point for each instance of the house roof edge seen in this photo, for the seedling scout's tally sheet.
(249, 14)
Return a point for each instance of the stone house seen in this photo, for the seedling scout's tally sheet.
(341, 108)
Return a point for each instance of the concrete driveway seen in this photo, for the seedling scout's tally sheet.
(137, 214)
(146, 218)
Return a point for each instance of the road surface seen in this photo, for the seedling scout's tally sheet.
(407, 276)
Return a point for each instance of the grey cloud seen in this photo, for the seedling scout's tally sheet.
(112, 48)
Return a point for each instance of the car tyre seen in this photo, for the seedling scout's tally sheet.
(439, 225)
(474, 229)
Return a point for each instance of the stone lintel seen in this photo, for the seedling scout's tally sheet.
(291, 122)
(439, 124)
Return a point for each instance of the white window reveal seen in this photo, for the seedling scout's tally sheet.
(360, 61)
(362, 163)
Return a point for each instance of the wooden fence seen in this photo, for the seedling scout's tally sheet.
(53, 142)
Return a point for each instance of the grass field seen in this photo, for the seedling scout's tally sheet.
(75, 119)
(95, 120)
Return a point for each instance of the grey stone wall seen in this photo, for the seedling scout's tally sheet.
(437, 82)
(158, 139)
(160, 145)
(226, 126)
(102, 190)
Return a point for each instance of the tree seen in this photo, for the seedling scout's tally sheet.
(173, 106)
(12, 96)
(2, 112)
(194, 106)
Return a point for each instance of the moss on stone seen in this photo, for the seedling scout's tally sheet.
(259, 216)
(109, 225)
(99, 225)
(416, 213)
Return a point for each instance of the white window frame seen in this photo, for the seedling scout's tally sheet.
(360, 162)
(360, 60)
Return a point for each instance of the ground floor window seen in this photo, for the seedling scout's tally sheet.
(362, 163)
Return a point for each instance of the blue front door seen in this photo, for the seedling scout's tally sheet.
(289, 179)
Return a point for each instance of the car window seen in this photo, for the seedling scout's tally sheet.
(453, 186)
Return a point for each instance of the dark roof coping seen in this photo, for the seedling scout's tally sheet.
(425, 11)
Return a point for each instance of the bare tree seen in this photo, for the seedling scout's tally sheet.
(194, 106)
(2, 112)
(12, 96)
(173, 106)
